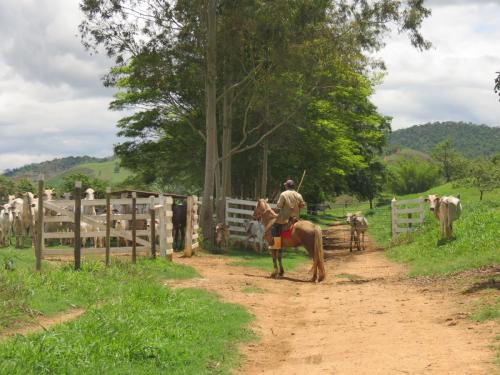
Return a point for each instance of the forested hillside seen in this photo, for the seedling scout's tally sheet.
(52, 168)
(469, 139)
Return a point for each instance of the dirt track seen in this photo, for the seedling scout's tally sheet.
(367, 318)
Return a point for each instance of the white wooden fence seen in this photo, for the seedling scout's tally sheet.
(237, 212)
(59, 219)
(406, 215)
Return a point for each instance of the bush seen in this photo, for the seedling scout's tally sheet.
(410, 176)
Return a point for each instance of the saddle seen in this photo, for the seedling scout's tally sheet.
(287, 228)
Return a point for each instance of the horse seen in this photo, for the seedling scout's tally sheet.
(303, 233)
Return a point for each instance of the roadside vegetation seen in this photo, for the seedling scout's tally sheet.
(131, 324)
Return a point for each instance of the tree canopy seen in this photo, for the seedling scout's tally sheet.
(293, 85)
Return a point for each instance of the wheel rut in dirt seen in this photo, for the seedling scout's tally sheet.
(366, 318)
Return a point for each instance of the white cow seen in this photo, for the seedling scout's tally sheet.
(447, 210)
(6, 220)
(359, 225)
(255, 231)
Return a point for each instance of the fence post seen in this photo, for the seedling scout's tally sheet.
(394, 218)
(39, 226)
(169, 226)
(134, 226)
(163, 229)
(78, 217)
(195, 242)
(152, 226)
(108, 222)
(188, 242)
(422, 212)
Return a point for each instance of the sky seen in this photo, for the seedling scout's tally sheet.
(53, 103)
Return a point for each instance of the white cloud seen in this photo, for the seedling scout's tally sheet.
(454, 79)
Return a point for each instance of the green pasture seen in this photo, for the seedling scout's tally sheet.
(104, 171)
(132, 323)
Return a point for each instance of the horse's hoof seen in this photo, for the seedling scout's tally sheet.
(321, 278)
(274, 275)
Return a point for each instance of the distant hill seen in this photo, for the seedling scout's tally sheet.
(107, 169)
(469, 139)
(51, 168)
(400, 154)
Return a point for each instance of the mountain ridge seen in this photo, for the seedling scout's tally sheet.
(471, 140)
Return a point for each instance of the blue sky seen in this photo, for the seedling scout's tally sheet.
(53, 104)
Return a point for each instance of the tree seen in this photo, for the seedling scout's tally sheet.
(7, 187)
(24, 185)
(484, 175)
(451, 163)
(164, 72)
(68, 184)
(367, 183)
(497, 84)
(411, 176)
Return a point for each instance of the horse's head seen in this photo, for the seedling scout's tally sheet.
(261, 209)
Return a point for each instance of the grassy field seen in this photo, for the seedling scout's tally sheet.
(132, 323)
(104, 171)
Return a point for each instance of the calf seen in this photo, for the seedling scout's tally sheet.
(447, 210)
(359, 225)
(255, 231)
(221, 235)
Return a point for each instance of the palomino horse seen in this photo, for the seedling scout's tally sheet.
(303, 233)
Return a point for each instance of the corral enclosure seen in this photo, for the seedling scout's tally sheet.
(139, 235)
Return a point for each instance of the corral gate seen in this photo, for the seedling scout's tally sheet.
(406, 214)
(61, 212)
(237, 212)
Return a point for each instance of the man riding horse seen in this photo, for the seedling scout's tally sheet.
(289, 203)
(299, 233)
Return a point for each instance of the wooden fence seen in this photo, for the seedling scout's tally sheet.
(58, 222)
(237, 212)
(406, 215)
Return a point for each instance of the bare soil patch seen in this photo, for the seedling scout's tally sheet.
(366, 318)
(42, 323)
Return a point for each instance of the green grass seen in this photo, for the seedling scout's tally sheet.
(291, 259)
(104, 171)
(132, 323)
(487, 312)
(475, 245)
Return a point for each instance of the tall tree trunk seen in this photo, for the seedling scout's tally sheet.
(226, 148)
(265, 159)
(211, 121)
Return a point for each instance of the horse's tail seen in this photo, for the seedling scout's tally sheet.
(318, 252)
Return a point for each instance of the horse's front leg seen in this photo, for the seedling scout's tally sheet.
(280, 257)
(350, 243)
(275, 272)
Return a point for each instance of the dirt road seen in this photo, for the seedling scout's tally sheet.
(367, 318)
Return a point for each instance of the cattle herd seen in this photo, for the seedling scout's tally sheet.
(18, 217)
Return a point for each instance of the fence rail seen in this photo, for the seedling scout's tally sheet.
(237, 212)
(414, 209)
(60, 214)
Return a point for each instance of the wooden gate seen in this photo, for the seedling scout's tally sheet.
(406, 215)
